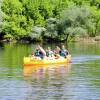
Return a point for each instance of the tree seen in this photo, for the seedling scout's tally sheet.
(74, 21)
(51, 29)
(62, 19)
(14, 22)
(37, 33)
(1, 15)
(95, 17)
(1, 21)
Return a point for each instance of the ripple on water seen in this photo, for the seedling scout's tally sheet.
(82, 59)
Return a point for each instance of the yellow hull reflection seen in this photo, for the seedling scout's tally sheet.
(41, 71)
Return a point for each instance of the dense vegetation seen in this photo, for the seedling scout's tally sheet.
(58, 20)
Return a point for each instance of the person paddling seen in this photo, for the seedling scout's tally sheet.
(49, 52)
(63, 52)
(40, 52)
(57, 52)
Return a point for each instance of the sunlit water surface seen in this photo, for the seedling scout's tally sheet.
(79, 80)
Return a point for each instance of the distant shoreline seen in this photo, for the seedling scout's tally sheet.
(77, 39)
(88, 39)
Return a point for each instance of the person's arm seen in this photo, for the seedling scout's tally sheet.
(67, 52)
(42, 50)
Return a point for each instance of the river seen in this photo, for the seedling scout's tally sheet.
(79, 80)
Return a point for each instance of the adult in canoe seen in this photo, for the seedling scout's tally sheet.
(49, 52)
(40, 52)
(57, 52)
(63, 52)
(40, 57)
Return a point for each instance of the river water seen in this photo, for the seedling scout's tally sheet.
(79, 80)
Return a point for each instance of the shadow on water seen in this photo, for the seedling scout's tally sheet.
(1, 45)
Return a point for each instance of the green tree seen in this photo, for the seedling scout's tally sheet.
(51, 27)
(37, 33)
(1, 15)
(95, 21)
(62, 19)
(74, 21)
(14, 22)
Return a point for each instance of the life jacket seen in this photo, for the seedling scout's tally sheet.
(49, 53)
(37, 53)
(63, 53)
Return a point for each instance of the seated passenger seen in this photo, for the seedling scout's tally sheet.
(49, 52)
(57, 52)
(37, 52)
(63, 52)
(40, 52)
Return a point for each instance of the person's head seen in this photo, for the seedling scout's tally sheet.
(49, 48)
(57, 48)
(63, 47)
(37, 49)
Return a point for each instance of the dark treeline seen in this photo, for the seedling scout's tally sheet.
(59, 20)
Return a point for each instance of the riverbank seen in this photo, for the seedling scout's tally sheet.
(88, 39)
(76, 39)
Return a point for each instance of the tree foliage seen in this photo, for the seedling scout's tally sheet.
(1, 16)
(15, 23)
(62, 19)
(74, 21)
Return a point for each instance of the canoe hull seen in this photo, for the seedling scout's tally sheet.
(28, 61)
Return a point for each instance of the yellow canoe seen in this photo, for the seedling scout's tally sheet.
(29, 61)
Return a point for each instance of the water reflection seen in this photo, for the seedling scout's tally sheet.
(42, 71)
(1, 45)
(45, 81)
